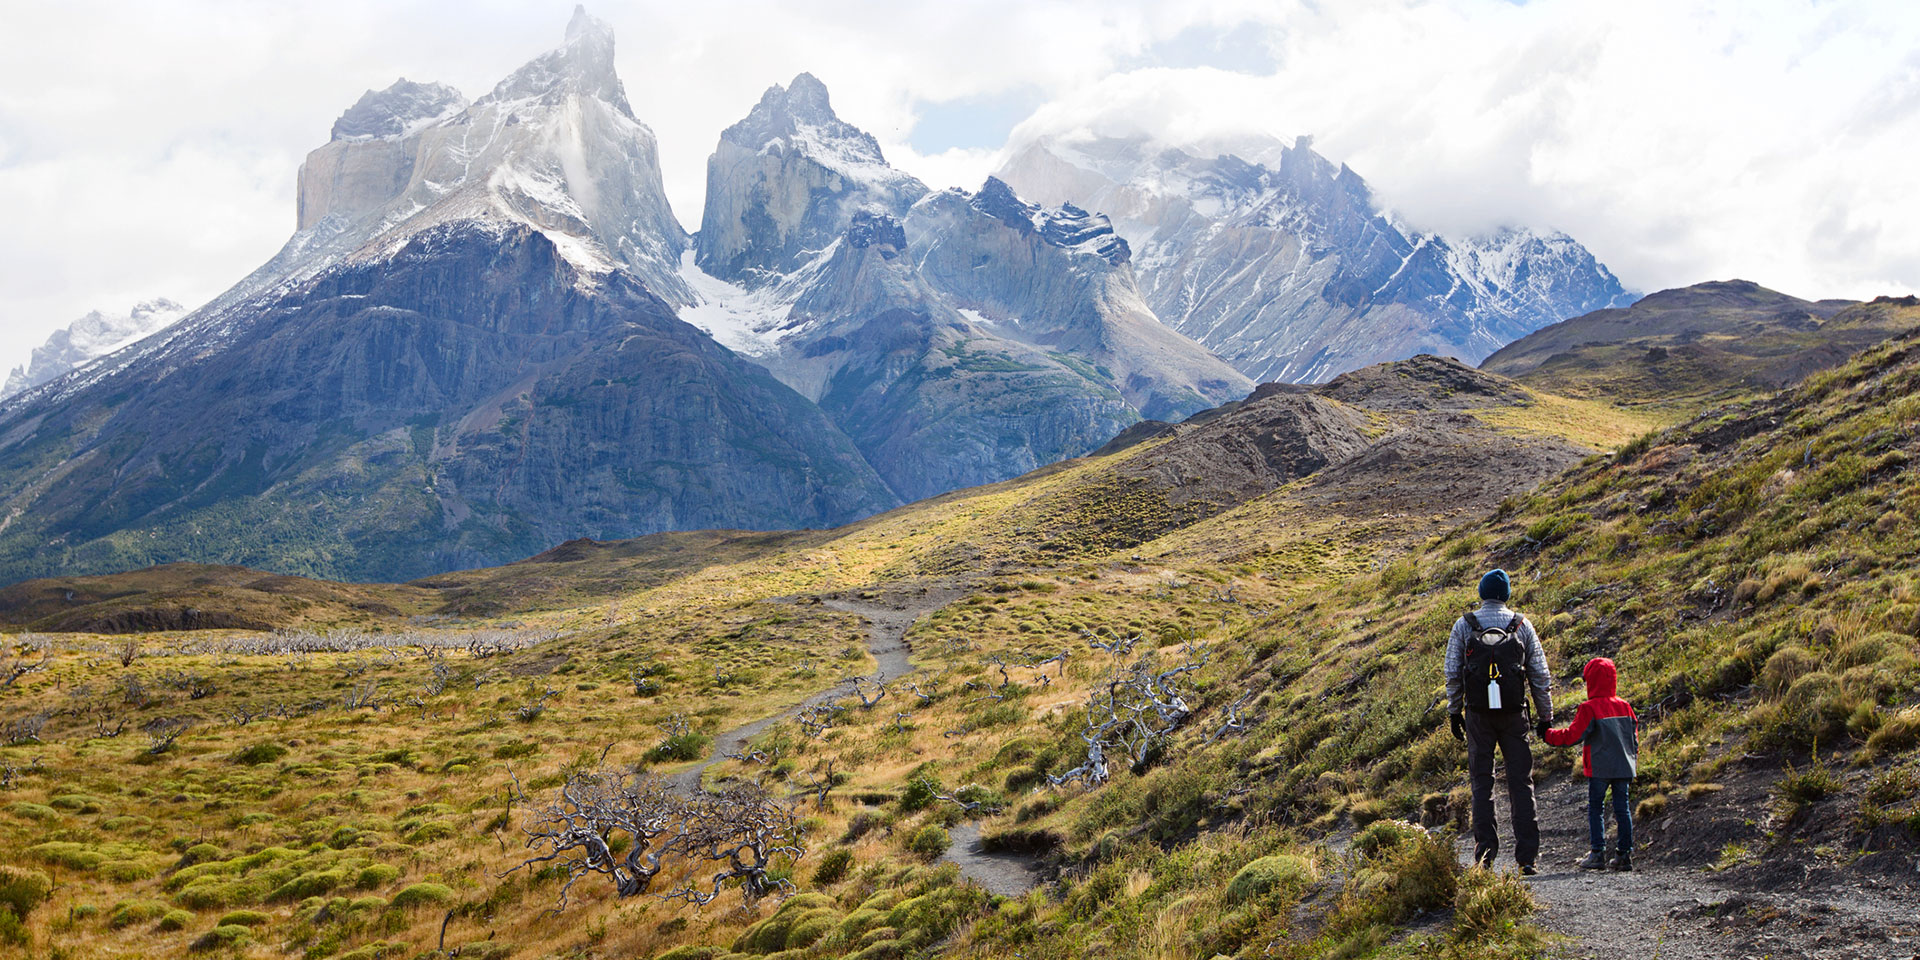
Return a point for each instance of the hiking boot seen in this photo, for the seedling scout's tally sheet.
(1623, 862)
(1483, 856)
(1594, 861)
(1527, 870)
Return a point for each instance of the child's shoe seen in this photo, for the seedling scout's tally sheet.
(1623, 862)
(1594, 861)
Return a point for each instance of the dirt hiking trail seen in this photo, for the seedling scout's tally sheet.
(1678, 911)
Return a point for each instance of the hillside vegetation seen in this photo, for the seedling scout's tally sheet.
(1678, 351)
(1277, 578)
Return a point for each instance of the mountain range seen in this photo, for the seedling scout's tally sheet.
(1284, 264)
(489, 333)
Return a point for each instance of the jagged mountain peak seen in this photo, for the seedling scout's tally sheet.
(583, 64)
(1287, 265)
(398, 110)
(785, 182)
(1063, 226)
(800, 117)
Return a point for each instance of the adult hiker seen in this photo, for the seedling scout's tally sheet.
(1494, 662)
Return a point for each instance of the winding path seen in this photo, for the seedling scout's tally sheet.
(886, 642)
(887, 626)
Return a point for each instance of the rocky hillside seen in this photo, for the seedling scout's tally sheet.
(1279, 260)
(1692, 345)
(1244, 613)
(473, 397)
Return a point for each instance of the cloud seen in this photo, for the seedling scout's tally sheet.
(150, 149)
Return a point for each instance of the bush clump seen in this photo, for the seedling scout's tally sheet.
(21, 890)
(377, 875)
(1381, 836)
(174, 920)
(1268, 875)
(833, 867)
(422, 893)
(929, 841)
(126, 913)
(260, 753)
(1489, 905)
(245, 918)
(218, 937)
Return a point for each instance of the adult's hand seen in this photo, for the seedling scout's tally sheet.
(1541, 729)
(1458, 726)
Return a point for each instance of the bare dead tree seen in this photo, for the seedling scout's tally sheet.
(822, 783)
(971, 806)
(16, 665)
(163, 732)
(11, 772)
(869, 690)
(531, 711)
(363, 695)
(577, 830)
(742, 829)
(925, 697)
(22, 729)
(129, 652)
(133, 692)
(724, 676)
(1093, 771)
(816, 719)
(241, 714)
(437, 681)
(1137, 711)
(104, 732)
(900, 721)
(1116, 645)
(1234, 720)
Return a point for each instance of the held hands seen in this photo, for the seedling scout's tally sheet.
(1458, 726)
(1541, 729)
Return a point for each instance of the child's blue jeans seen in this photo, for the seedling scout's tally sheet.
(1597, 816)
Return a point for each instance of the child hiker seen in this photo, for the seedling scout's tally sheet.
(1611, 732)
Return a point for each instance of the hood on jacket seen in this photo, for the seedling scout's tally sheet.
(1601, 678)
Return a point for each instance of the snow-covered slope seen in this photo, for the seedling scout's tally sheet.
(92, 336)
(958, 338)
(1285, 266)
(555, 145)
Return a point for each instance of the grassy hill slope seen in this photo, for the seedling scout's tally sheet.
(363, 794)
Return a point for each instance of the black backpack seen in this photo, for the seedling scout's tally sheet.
(1496, 661)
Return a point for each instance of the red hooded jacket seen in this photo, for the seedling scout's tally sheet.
(1606, 724)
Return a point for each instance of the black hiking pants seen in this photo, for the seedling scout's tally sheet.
(1508, 730)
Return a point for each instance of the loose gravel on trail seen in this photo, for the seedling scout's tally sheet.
(1665, 911)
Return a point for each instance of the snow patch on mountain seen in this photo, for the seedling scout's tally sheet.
(95, 335)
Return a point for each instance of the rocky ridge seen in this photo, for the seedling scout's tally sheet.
(1286, 267)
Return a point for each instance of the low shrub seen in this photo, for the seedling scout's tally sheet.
(420, 894)
(245, 918)
(220, 937)
(1268, 875)
(1488, 905)
(1785, 666)
(174, 920)
(126, 913)
(22, 889)
(833, 867)
(929, 842)
(260, 753)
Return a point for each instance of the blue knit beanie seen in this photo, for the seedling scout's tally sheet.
(1496, 586)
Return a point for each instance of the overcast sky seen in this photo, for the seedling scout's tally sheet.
(150, 149)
